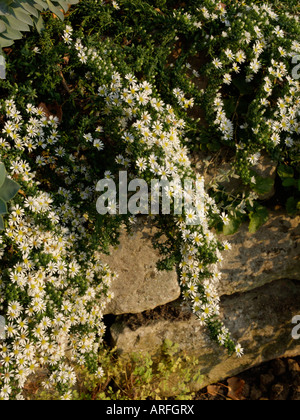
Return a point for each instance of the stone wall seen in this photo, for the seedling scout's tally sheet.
(260, 294)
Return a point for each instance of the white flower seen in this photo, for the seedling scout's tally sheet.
(227, 79)
(227, 246)
(141, 164)
(255, 65)
(217, 63)
(225, 218)
(115, 5)
(254, 159)
(289, 142)
(239, 350)
(229, 54)
(98, 144)
(278, 32)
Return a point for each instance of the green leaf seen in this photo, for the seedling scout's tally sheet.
(4, 42)
(289, 182)
(42, 3)
(3, 207)
(2, 174)
(39, 24)
(22, 15)
(292, 206)
(1, 223)
(258, 218)
(263, 185)
(285, 171)
(39, 7)
(4, 6)
(30, 9)
(55, 10)
(2, 26)
(232, 227)
(64, 5)
(14, 23)
(12, 33)
(9, 189)
(230, 106)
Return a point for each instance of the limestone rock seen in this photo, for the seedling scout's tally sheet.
(270, 254)
(261, 320)
(140, 286)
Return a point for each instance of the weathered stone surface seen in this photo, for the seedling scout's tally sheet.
(272, 253)
(140, 286)
(259, 319)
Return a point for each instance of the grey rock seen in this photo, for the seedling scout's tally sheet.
(140, 286)
(259, 319)
(270, 254)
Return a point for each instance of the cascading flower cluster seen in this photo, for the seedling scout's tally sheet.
(252, 98)
(52, 293)
(275, 117)
(151, 136)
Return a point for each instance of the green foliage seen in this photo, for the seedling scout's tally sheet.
(232, 227)
(8, 189)
(18, 16)
(141, 376)
(258, 217)
(138, 376)
(263, 185)
(167, 43)
(290, 178)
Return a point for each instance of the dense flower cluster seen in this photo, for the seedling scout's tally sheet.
(53, 294)
(275, 117)
(252, 97)
(152, 142)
